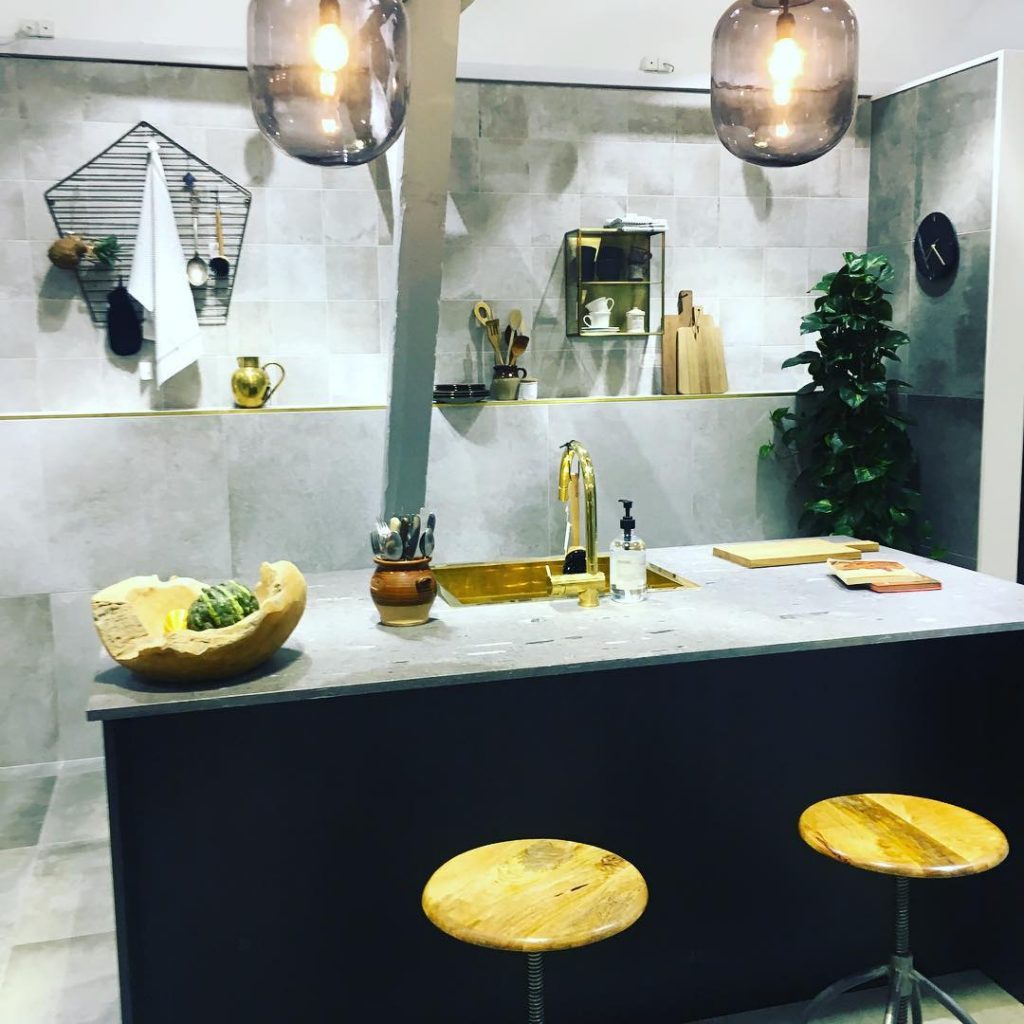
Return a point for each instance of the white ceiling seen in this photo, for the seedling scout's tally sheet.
(571, 40)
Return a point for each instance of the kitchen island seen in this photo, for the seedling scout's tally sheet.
(271, 836)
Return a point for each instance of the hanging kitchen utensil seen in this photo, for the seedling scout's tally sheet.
(197, 270)
(482, 312)
(219, 265)
(124, 327)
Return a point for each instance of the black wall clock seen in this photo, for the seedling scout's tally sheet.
(936, 248)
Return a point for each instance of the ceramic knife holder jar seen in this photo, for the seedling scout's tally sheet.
(403, 592)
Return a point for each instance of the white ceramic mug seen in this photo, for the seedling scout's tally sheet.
(529, 388)
(598, 321)
(602, 305)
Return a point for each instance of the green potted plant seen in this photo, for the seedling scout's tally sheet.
(857, 467)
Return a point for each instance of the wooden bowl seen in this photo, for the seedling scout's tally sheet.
(129, 618)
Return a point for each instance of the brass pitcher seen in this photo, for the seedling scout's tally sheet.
(250, 383)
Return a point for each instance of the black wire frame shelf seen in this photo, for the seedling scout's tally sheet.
(104, 197)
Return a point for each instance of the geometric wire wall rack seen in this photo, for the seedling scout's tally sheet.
(104, 197)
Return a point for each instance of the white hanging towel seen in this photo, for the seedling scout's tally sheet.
(158, 280)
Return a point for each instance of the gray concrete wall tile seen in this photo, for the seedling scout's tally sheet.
(471, 490)
(135, 496)
(88, 992)
(947, 436)
(25, 554)
(78, 809)
(24, 803)
(28, 708)
(78, 656)
(892, 214)
(303, 487)
(69, 893)
(949, 329)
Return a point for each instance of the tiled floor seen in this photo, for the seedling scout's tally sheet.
(57, 957)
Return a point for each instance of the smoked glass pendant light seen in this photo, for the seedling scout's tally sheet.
(329, 79)
(784, 79)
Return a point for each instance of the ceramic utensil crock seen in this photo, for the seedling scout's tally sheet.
(403, 591)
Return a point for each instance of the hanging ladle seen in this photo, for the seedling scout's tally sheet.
(196, 270)
(219, 265)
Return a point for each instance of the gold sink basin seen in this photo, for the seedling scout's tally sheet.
(506, 582)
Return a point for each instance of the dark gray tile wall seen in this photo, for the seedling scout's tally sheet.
(932, 150)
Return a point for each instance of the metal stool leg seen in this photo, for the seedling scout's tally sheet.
(944, 998)
(905, 981)
(915, 1002)
(901, 968)
(535, 988)
(823, 998)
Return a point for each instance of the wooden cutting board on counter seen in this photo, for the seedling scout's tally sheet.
(764, 554)
(883, 577)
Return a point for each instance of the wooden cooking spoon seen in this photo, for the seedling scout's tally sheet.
(519, 343)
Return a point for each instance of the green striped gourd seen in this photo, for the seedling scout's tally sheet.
(221, 605)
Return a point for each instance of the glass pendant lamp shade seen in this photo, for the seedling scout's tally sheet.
(329, 79)
(784, 79)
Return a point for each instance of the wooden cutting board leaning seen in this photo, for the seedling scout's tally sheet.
(684, 316)
(701, 357)
(764, 554)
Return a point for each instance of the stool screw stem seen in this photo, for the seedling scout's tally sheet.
(535, 987)
(903, 917)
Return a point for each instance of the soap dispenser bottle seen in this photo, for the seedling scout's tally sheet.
(628, 560)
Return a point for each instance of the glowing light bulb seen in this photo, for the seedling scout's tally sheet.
(330, 47)
(785, 65)
(328, 83)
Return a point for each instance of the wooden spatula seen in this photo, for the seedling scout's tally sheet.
(519, 344)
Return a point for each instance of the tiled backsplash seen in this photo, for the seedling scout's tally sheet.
(88, 501)
(315, 283)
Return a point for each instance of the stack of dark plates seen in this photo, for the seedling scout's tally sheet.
(460, 394)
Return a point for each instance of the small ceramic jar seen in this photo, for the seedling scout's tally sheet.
(635, 321)
(403, 592)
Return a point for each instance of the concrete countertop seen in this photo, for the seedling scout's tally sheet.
(339, 649)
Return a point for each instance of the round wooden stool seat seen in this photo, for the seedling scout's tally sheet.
(908, 836)
(535, 895)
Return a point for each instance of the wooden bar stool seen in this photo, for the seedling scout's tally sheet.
(909, 837)
(535, 896)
